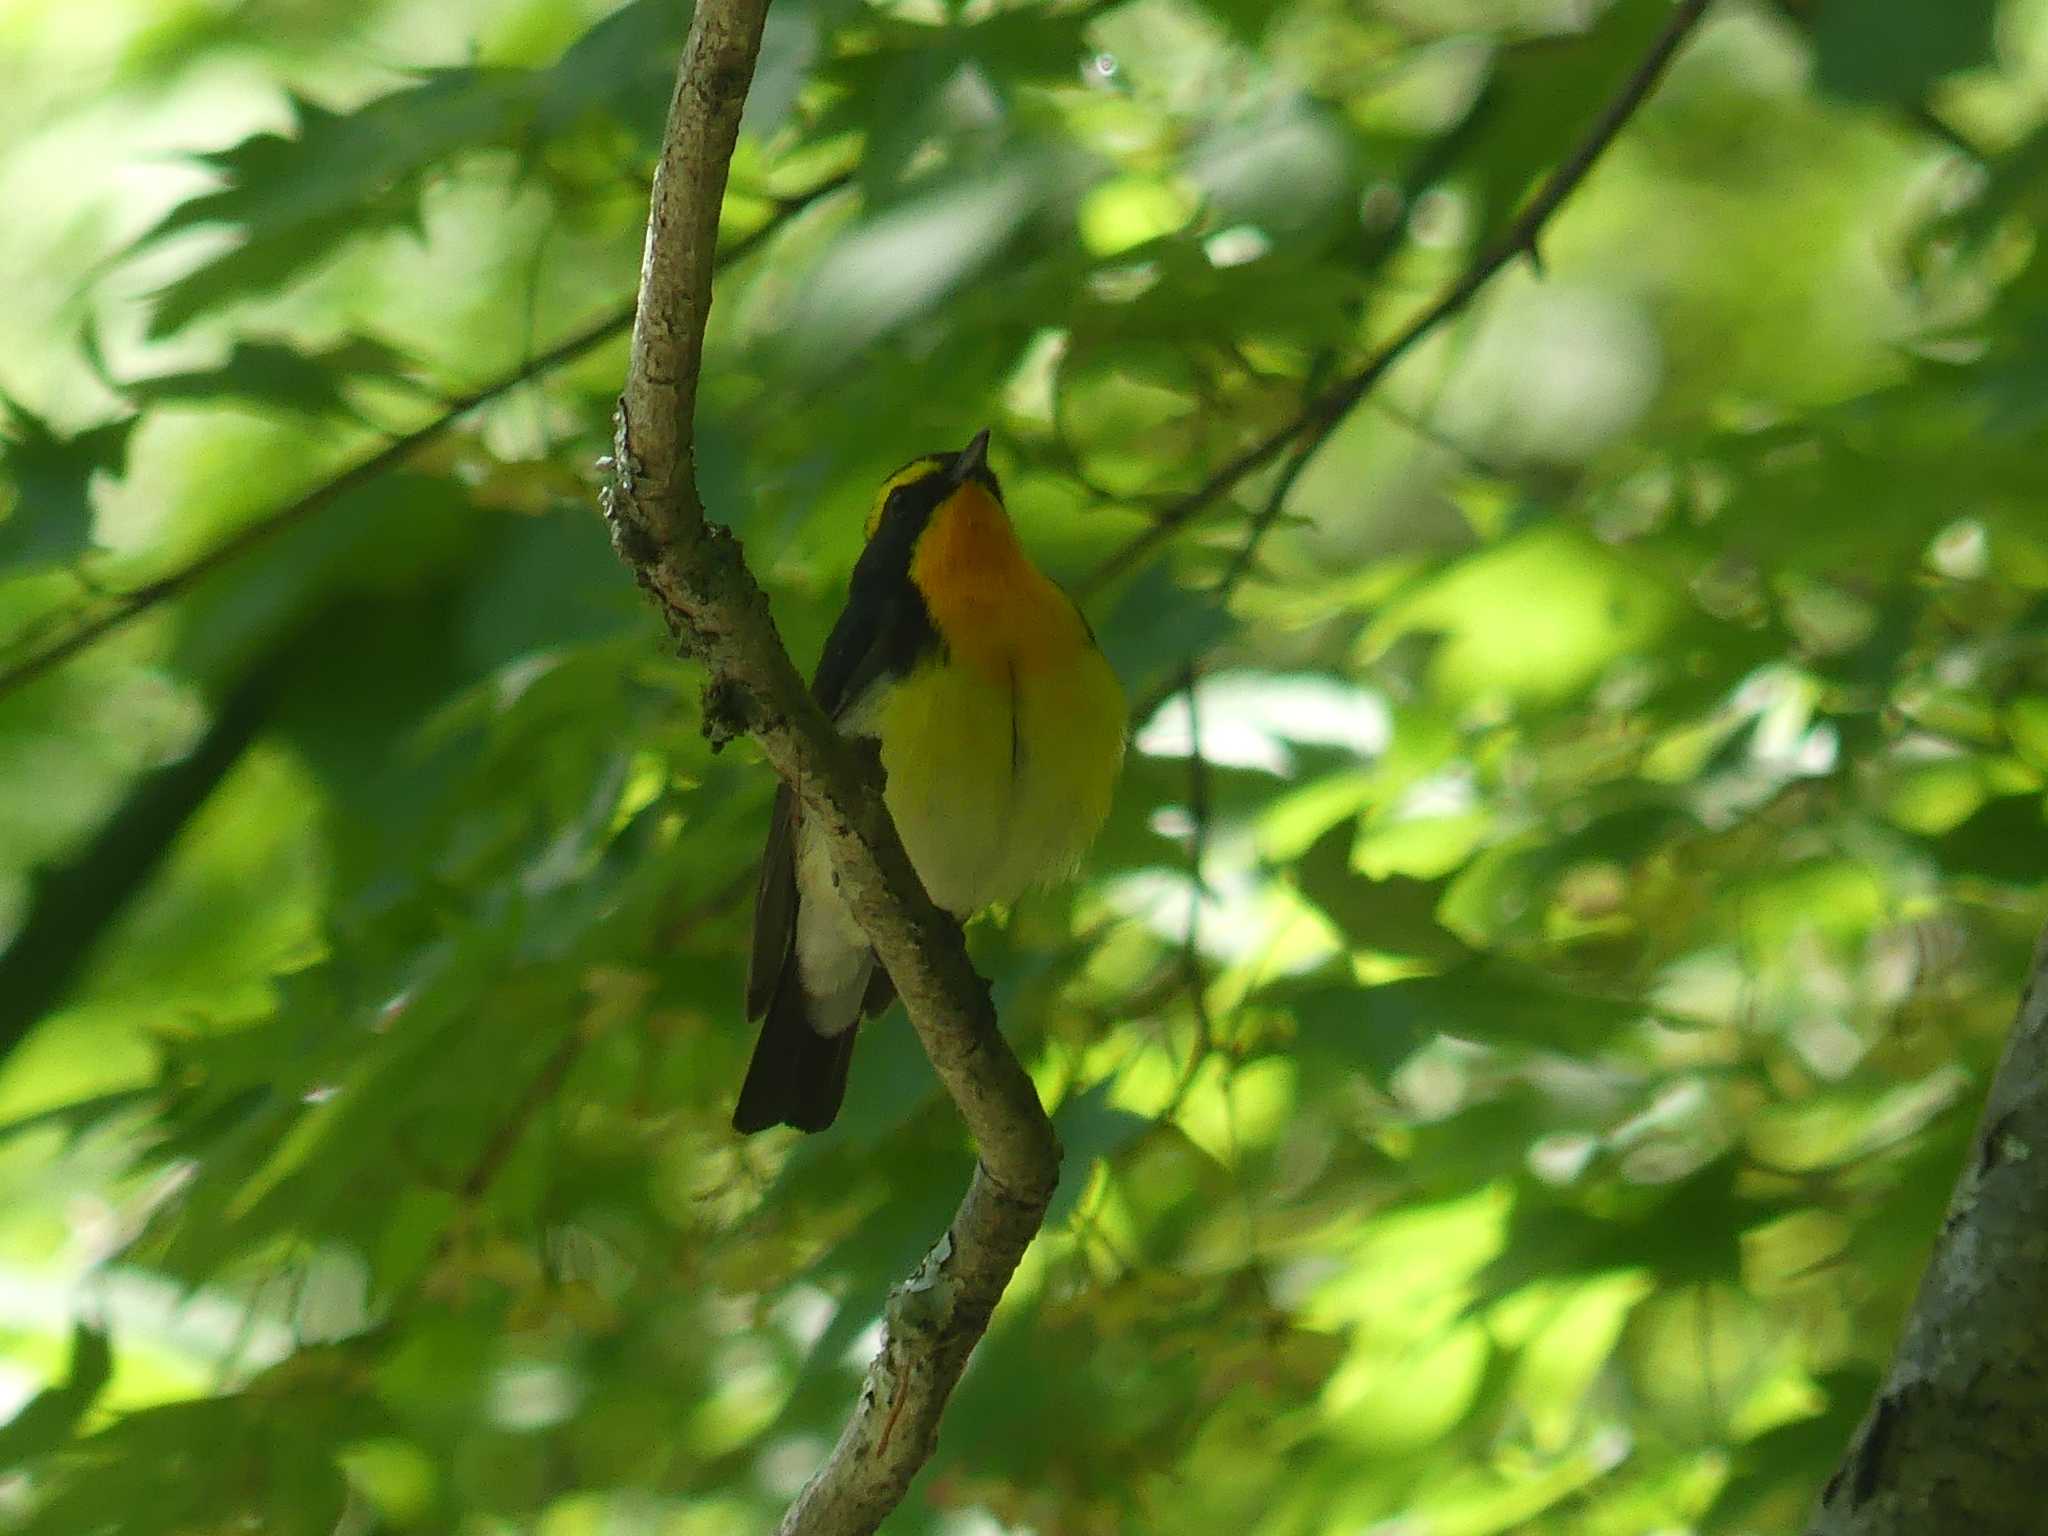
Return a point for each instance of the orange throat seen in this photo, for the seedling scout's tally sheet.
(989, 603)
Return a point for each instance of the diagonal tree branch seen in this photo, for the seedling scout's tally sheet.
(123, 607)
(698, 579)
(1954, 1440)
(1323, 412)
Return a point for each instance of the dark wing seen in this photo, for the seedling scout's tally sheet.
(884, 630)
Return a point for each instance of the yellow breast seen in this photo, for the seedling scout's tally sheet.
(1002, 749)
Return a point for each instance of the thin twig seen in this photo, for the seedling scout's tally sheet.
(1198, 886)
(1276, 502)
(127, 606)
(504, 1141)
(1521, 238)
(1192, 980)
(1473, 460)
(695, 574)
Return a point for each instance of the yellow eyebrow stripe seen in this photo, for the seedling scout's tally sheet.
(909, 474)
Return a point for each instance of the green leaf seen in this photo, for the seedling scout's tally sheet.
(1156, 628)
(292, 200)
(2006, 841)
(1532, 109)
(1688, 1231)
(47, 480)
(49, 1418)
(1395, 915)
(1485, 1000)
(1893, 50)
(1090, 1130)
(312, 382)
(1246, 19)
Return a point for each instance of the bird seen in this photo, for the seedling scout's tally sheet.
(1000, 727)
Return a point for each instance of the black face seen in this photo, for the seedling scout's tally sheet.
(910, 506)
(885, 628)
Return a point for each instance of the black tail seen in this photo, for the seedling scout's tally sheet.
(797, 1076)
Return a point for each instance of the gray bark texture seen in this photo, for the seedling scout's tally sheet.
(1957, 1440)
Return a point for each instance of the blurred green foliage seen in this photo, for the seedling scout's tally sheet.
(1516, 1036)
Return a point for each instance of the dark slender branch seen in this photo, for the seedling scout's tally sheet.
(131, 604)
(1192, 979)
(546, 1083)
(72, 904)
(1193, 982)
(1324, 411)
(122, 607)
(1276, 502)
(1471, 458)
(504, 1141)
(698, 579)
(1953, 1441)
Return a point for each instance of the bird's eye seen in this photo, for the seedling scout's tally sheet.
(891, 503)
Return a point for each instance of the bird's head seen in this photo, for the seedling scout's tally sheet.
(910, 499)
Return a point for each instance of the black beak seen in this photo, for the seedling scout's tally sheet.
(973, 459)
